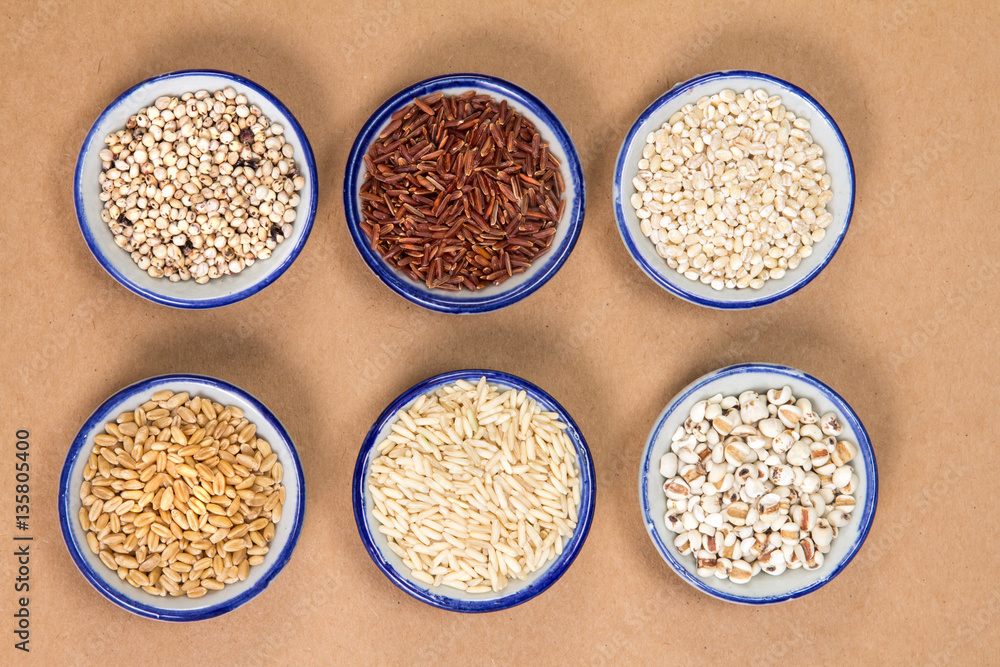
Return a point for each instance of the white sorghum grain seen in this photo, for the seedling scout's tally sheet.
(732, 190)
(180, 496)
(199, 186)
(475, 486)
(762, 485)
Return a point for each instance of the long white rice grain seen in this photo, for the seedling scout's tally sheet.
(475, 486)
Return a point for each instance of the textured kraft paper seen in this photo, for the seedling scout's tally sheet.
(902, 323)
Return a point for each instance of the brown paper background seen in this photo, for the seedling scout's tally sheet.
(902, 322)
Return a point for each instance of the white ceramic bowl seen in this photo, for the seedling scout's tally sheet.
(763, 588)
(116, 261)
(825, 132)
(543, 268)
(443, 597)
(213, 603)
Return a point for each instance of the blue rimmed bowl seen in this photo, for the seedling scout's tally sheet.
(543, 268)
(443, 597)
(213, 603)
(116, 261)
(763, 588)
(825, 133)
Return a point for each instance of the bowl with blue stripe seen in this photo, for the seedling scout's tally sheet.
(543, 268)
(763, 588)
(118, 263)
(182, 608)
(443, 597)
(825, 133)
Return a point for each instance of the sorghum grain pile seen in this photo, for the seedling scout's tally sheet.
(199, 186)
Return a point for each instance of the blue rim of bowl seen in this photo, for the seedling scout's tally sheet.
(864, 447)
(68, 486)
(659, 274)
(401, 284)
(553, 571)
(305, 226)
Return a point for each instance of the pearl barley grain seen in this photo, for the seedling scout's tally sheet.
(199, 186)
(732, 190)
(772, 500)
